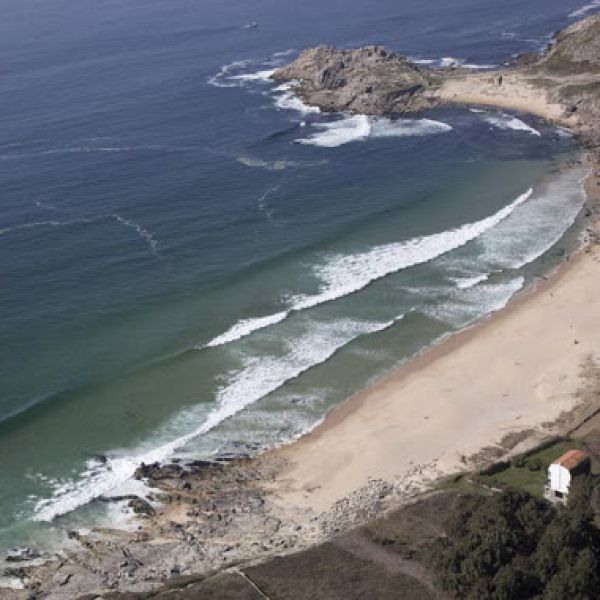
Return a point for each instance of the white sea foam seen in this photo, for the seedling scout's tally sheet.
(344, 274)
(361, 127)
(222, 78)
(470, 304)
(258, 377)
(585, 9)
(450, 61)
(246, 327)
(289, 101)
(503, 121)
(538, 225)
(262, 75)
(238, 73)
(464, 283)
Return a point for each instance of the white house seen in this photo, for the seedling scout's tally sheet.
(562, 471)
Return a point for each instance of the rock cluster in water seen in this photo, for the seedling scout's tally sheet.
(369, 80)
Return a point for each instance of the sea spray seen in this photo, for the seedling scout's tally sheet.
(361, 127)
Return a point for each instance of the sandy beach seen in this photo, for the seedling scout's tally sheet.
(524, 370)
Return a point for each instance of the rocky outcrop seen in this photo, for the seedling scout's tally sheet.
(562, 84)
(576, 49)
(369, 80)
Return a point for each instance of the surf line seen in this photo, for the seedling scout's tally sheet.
(257, 378)
(346, 274)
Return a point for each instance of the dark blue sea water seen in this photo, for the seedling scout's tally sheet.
(193, 261)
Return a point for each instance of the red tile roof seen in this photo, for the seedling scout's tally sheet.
(571, 459)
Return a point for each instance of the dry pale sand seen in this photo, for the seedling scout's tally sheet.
(519, 370)
(517, 92)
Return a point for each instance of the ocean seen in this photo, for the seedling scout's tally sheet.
(194, 262)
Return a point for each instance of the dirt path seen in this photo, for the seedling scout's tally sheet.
(357, 544)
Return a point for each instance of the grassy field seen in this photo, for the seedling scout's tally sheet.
(531, 472)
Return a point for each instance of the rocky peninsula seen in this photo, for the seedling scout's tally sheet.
(561, 84)
(237, 526)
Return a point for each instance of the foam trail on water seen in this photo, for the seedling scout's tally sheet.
(143, 233)
(258, 377)
(278, 165)
(361, 127)
(235, 74)
(348, 273)
(585, 9)
(91, 149)
(263, 207)
(35, 224)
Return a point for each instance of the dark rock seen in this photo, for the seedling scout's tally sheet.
(22, 554)
(369, 80)
(141, 507)
(156, 471)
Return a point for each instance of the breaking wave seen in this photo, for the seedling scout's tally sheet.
(504, 121)
(464, 283)
(287, 100)
(238, 73)
(348, 273)
(539, 225)
(258, 377)
(361, 127)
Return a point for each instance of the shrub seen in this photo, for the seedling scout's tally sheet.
(511, 545)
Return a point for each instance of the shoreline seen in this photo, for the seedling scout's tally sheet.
(316, 493)
(496, 387)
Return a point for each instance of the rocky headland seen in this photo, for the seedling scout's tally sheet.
(561, 84)
(232, 528)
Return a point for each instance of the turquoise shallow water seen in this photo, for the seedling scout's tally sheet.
(192, 261)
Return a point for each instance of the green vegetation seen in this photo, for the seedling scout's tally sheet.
(529, 473)
(512, 545)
